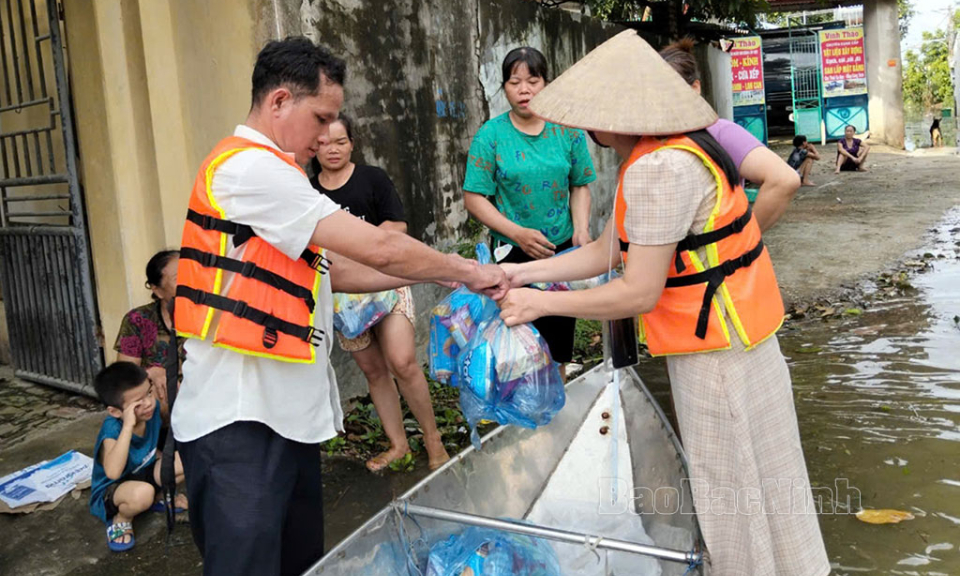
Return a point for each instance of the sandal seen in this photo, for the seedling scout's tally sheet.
(161, 506)
(381, 461)
(115, 534)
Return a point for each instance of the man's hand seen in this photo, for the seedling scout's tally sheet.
(521, 305)
(534, 243)
(490, 281)
(130, 414)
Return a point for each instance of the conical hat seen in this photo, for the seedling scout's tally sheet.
(623, 86)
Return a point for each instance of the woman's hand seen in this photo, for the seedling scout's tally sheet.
(521, 305)
(158, 377)
(513, 274)
(534, 243)
(581, 237)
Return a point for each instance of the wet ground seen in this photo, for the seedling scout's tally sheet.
(878, 394)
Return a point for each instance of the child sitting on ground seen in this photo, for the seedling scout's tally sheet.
(126, 470)
(802, 159)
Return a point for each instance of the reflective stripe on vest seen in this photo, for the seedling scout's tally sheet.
(688, 317)
(268, 309)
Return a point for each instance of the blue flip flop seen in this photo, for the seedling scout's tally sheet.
(115, 532)
(162, 507)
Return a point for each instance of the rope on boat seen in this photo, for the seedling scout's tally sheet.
(409, 550)
(695, 563)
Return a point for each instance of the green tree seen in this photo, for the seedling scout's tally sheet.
(906, 12)
(926, 73)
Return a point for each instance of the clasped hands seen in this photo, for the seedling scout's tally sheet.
(501, 283)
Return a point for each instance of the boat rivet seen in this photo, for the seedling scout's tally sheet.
(605, 415)
(604, 430)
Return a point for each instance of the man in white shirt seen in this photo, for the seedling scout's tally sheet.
(249, 428)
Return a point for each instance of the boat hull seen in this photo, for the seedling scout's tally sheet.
(518, 468)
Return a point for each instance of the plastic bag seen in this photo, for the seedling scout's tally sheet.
(354, 314)
(504, 374)
(486, 552)
(453, 323)
(574, 284)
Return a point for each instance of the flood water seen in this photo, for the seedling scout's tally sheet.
(878, 401)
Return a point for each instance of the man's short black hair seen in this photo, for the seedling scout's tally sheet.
(116, 379)
(296, 63)
(799, 140)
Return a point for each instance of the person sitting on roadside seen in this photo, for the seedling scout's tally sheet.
(851, 152)
(126, 470)
(802, 158)
(387, 350)
(146, 331)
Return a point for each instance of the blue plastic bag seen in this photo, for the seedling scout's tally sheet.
(453, 323)
(505, 374)
(354, 314)
(489, 552)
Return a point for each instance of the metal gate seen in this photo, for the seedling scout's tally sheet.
(45, 268)
(805, 83)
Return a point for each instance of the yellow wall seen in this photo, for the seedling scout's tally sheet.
(154, 89)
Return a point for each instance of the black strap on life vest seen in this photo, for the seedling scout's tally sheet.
(250, 270)
(697, 241)
(240, 309)
(241, 233)
(714, 277)
(168, 476)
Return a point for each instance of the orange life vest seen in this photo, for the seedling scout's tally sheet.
(688, 317)
(268, 309)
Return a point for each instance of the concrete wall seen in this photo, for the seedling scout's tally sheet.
(156, 84)
(881, 39)
(422, 78)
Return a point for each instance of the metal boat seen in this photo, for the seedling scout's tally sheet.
(604, 483)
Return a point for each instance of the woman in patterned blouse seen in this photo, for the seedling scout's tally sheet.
(145, 332)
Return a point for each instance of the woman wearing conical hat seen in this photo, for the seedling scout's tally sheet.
(700, 279)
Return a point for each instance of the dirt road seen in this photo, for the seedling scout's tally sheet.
(856, 224)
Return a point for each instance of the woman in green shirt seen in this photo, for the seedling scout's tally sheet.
(527, 181)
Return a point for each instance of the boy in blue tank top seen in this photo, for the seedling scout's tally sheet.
(126, 469)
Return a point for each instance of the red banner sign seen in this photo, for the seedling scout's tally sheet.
(844, 71)
(746, 64)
